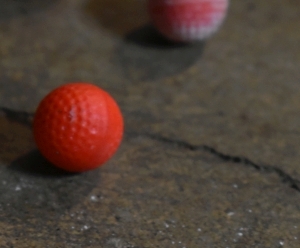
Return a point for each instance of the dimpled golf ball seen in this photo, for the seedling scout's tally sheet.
(187, 20)
(78, 127)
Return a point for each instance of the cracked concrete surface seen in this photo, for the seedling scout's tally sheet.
(292, 182)
(210, 155)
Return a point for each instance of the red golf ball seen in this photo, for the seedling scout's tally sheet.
(187, 20)
(78, 127)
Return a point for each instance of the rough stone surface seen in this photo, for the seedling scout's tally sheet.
(210, 156)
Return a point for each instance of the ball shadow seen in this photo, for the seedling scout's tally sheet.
(147, 36)
(34, 164)
(31, 187)
(145, 55)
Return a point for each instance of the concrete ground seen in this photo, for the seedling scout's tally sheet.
(210, 156)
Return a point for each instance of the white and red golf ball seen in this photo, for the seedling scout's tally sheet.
(187, 20)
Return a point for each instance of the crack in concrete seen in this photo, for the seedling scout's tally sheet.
(26, 118)
(285, 177)
(21, 117)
